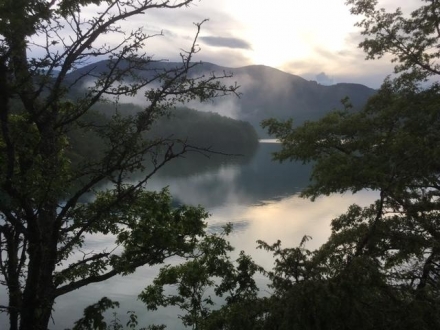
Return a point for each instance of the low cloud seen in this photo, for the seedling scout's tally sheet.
(350, 70)
(226, 42)
(228, 106)
(323, 79)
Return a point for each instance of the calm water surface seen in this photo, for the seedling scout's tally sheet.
(258, 196)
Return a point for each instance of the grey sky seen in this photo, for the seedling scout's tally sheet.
(302, 37)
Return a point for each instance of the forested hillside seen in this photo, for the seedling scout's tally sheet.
(264, 92)
(201, 129)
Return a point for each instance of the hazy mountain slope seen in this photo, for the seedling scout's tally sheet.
(268, 92)
(265, 92)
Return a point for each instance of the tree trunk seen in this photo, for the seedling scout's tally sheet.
(38, 296)
(13, 282)
(43, 232)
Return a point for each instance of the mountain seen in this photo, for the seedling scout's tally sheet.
(265, 92)
(273, 93)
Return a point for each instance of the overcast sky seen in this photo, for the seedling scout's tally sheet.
(315, 39)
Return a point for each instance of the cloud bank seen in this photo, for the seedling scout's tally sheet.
(226, 42)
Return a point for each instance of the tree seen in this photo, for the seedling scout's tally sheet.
(210, 273)
(44, 220)
(381, 264)
(411, 39)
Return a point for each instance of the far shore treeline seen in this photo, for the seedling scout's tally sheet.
(207, 130)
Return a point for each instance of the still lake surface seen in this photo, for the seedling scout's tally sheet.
(259, 196)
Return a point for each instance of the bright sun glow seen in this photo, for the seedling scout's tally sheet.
(301, 31)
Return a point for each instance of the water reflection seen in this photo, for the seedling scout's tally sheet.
(287, 219)
(258, 196)
(248, 182)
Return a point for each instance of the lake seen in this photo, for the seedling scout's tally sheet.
(259, 196)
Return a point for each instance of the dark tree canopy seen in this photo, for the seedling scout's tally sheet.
(43, 219)
(380, 268)
(412, 39)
